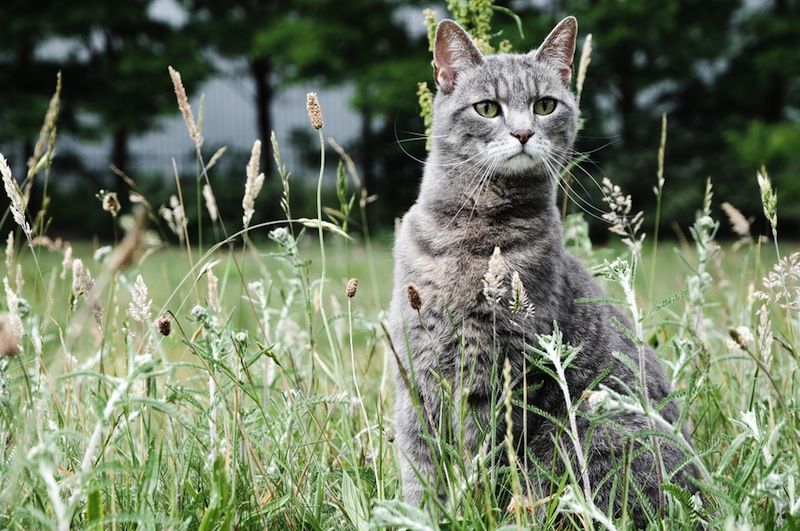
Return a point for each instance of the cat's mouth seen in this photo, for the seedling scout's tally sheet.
(521, 153)
(526, 154)
(519, 161)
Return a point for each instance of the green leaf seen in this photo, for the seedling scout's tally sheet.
(94, 510)
(353, 504)
(506, 11)
(395, 514)
(326, 225)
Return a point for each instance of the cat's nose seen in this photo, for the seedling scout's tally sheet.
(523, 135)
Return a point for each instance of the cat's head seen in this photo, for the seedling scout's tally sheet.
(514, 113)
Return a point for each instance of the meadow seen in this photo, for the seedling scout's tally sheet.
(249, 384)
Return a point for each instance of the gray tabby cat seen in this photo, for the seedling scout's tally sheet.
(501, 125)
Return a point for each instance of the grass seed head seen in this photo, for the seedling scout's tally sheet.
(66, 263)
(519, 304)
(174, 216)
(10, 251)
(739, 224)
(183, 105)
(494, 278)
(130, 246)
(413, 297)
(17, 202)
(314, 110)
(769, 198)
(253, 184)
(9, 337)
(211, 202)
(47, 133)
(141, 303)
(583, 65)
(213, 291)
(164, 324)
(352, 287)
(742, 336)
(111, 203)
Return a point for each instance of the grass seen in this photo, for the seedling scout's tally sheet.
(294, 454)
(268, 405)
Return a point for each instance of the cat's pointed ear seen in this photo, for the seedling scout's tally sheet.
(558, 48)
(453, 53)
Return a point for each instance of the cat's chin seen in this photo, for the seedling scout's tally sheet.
(520, 163)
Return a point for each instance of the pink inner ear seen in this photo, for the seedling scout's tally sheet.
(444, 72)
(559, 48)
(444, 77)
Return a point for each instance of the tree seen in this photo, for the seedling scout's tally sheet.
(285, 42)
(122, 54)
(757, 98)
(114, 62)
(27, 80)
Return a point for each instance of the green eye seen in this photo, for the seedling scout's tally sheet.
(487, 109)
(544, 106)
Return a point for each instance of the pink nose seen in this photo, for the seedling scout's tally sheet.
(522, 135)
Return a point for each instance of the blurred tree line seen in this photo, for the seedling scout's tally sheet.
(726, 72)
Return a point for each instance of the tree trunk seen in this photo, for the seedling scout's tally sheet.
(261, 69)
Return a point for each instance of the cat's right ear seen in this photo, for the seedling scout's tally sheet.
(453, 53)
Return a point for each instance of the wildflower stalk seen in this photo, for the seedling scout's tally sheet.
(573, 426)
(184, 227)
(658, 189)
(323, 262)
(367, 427)
(626, 276)
(512, 454)
(624, 273)
(552, 348)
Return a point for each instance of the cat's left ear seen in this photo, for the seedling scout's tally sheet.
(558, 48)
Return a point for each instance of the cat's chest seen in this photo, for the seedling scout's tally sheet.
(465, 288)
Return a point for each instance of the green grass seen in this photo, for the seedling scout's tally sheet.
(296, 454)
